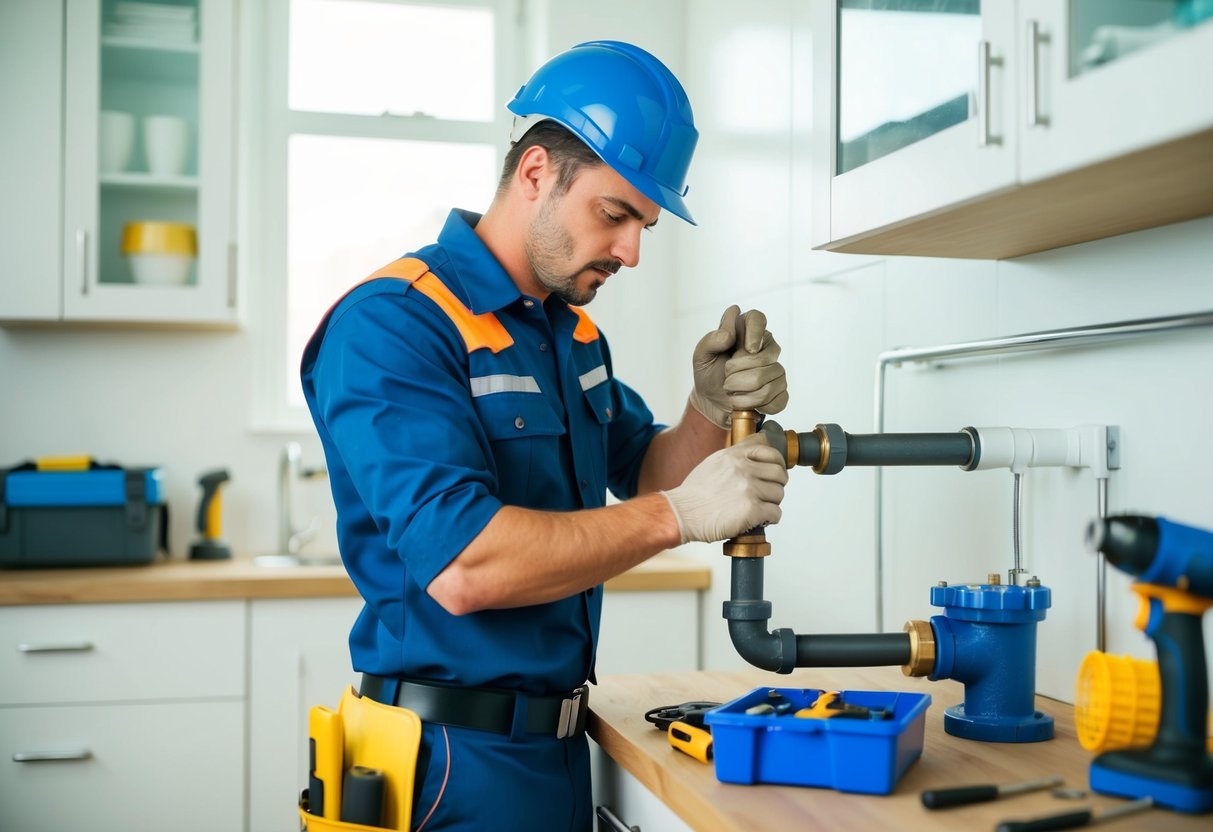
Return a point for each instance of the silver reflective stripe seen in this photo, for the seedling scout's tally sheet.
(485, 385)
(594, 377)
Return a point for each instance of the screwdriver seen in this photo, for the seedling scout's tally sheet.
(1073, 820)
(964, 795)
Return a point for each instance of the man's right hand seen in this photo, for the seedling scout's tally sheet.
(730, 492)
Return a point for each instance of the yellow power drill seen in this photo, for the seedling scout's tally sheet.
(1173, 565)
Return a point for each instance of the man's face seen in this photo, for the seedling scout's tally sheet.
(580, 238)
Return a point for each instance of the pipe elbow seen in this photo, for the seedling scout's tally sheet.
(774, 651)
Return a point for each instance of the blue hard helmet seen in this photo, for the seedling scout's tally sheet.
(628, 107)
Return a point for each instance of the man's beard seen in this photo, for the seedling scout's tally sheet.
(549, 247)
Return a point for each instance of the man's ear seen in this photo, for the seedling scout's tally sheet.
(534, 168)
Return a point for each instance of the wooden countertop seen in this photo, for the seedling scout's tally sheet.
(239, 578)
(691, 790)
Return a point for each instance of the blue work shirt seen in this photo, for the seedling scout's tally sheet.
(425, 441)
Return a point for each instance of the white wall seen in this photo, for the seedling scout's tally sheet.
(633, 309)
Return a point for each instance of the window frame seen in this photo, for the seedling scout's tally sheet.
(267, 125)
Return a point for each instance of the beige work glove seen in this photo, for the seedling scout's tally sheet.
(730, 492)
(737, 367)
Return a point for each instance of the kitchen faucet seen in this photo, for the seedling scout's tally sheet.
(290, 469)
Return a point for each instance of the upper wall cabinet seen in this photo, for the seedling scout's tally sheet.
(963, 128)
(146, 229)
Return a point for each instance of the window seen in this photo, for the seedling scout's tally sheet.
(375, 118)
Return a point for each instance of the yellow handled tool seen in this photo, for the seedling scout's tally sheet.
(210, 519)
(692, 741)
(829, 704)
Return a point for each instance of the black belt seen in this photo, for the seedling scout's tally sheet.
(499, 711)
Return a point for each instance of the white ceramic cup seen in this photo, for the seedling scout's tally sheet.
(166, 144)
(116, 140)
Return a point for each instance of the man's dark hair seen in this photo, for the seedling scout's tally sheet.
(568, 153)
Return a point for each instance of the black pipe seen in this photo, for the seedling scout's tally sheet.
(864, 650)
(910, 449)
(959, 448)
(783, 650)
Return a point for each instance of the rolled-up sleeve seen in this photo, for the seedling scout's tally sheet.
(391, 391)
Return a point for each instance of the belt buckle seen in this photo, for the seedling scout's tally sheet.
(572, 713)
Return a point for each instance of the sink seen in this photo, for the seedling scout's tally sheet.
(284, 561)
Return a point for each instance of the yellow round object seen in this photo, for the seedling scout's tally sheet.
(155, 237)
(1117, 701)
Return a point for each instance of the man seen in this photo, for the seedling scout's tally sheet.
(472, 424)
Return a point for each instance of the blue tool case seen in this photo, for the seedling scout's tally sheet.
(95, 516)
(867, 756)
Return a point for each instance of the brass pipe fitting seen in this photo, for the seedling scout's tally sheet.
(744, 423)
(823, 459)
(792, 455)
(922, 648)
(752, 544)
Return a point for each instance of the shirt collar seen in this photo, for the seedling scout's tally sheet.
(484, 283)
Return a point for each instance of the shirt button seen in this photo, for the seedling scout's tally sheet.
(519, 422)
(543, 347)
(608, 412)
(528, 303)
(584, 485)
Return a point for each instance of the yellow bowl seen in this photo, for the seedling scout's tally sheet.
(150, 237)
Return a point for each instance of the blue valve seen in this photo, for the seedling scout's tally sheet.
(986, 639)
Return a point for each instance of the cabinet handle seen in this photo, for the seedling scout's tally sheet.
(56, 647)
(984, 62)
(1035, 38)
(51, 756)
(608, 821)
(82, 258)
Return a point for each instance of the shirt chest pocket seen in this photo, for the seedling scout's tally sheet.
(524, 434)
(593, 444)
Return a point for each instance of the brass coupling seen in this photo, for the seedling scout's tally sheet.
(752, 544)
(749, 545)
(743, 423)
(833, 455)
(792, 445)
(922, 648)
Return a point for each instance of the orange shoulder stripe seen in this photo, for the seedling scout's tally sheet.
(482, 331)
(586, 331)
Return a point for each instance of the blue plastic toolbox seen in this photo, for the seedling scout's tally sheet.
(98, 515)
(852, 755)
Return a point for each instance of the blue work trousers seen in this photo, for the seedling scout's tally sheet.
(479, 781)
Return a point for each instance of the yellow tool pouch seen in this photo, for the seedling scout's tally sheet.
(361, 732)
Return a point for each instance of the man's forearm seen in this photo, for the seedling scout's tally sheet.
(677, 449)
(525, 557)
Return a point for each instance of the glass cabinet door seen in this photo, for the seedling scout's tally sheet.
(145, 238)
(905, 72)
(1103, 31)
(921, 94)
(1108, 77)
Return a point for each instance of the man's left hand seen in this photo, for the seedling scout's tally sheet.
(737, 368)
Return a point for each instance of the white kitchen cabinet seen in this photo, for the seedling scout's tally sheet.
(648, 631)
(122, 716)
(1110, 78)
(300, 657)
(1033, 149)
(148, 766)
(645, 631)
(31, 221)
(140, 72)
